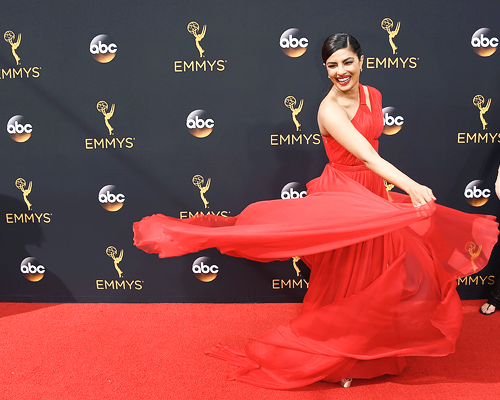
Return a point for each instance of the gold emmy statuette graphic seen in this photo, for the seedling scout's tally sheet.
(102, 107)
(290, 102)
(112, 252)
(474, 252)
(478, 101)
(193, 29)
(387, 24)
(198, 182)
(388, 188)
(21, 185)
(9, 38)
(297, 269)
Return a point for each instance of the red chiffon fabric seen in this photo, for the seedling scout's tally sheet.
(383, 273)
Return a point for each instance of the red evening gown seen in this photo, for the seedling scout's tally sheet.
(383, 273)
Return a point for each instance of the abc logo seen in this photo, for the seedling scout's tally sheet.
(32, 270)
(18, 130)
(292, 44)
(203, 270)
(198, 125)
(392, 122)
(291, 191)
(475, 195)
(109, 199)
(102, 49)
(483, 42)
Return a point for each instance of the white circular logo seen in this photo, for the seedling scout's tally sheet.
(18, 129)
(475, 195)
(32, 269)
(484, 42)
(103, 49)
(392, 121)
(291, 191)
(292, 43)
(204, 270)
(198, 124)
(109, 198)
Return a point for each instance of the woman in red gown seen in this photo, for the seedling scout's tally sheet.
(383, 273)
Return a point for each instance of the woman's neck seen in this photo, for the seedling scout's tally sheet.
(346, 98)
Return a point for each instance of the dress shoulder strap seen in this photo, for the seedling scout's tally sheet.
(362, 95)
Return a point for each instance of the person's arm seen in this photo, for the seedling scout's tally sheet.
(497, 184)
(333, 120)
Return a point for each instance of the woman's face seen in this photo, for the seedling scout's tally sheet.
(343, 69)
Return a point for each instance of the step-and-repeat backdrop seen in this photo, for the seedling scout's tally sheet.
(114, 110)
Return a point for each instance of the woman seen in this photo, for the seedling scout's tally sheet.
(383, 274)
(493, 302)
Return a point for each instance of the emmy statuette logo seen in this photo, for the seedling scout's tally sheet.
(10, 38)
(113, 142)
(478, 101)
(474, 136)
(120, 283)
(201, 64)
(21, 185)
(193, 28)
(474, 251)
(112, 252)
(295, 260)
(102, 107)
(302, 138)
(19, 72)
(387, 25)
(203, 187)
(199, 181)
(402, 62)
(290, 103)
(30, 216)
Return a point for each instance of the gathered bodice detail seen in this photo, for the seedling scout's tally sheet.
(368, 122)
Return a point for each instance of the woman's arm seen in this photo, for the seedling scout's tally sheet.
(333, 120)
(497, 184)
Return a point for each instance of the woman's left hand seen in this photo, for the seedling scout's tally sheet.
(420, 195)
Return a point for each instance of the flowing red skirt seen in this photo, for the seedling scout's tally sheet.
(383, 276)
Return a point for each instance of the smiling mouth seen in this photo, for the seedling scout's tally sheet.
(344, 81)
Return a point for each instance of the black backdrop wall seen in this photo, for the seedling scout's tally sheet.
(114, 110)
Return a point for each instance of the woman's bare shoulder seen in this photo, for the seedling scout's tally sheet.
(329, 105)
(331, 110)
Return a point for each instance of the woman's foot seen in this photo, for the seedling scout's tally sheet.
(487, 309)
(345, 383)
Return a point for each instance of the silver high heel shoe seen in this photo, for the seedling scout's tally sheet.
(345, 382)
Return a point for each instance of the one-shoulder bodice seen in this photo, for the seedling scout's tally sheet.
(368, 122)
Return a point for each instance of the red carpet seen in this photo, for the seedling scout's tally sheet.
(155, 351)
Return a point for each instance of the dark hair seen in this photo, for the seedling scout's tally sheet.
(339, 41)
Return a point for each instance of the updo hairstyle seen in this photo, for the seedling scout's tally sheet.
(339, 41)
